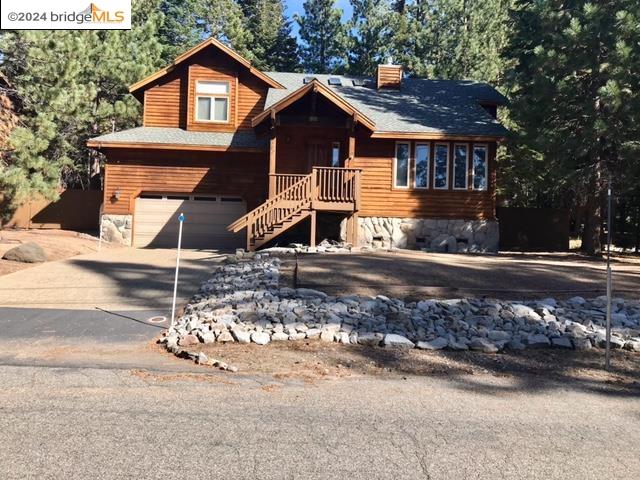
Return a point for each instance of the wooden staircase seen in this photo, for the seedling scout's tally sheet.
(298, 197)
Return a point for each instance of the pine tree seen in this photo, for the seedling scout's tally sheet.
(72, 85)
(369, 32)
(575, 97)
(273, 46)
(324, 37)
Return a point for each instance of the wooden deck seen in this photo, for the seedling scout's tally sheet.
(297, 197)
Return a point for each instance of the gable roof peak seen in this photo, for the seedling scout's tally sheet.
(211, 41)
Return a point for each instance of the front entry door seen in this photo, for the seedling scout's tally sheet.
(317, 154)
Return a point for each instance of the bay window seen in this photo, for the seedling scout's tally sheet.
(401, 165)
(421, 179)
(441, 166)
(480, 167)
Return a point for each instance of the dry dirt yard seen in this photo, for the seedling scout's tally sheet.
(310, 361)
(508, 276)
(57, 244)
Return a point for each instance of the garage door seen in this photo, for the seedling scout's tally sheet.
(206, 219)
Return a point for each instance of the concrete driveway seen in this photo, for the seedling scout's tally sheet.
(107, 296)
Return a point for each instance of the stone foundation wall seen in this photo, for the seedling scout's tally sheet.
(117, 229)
(438, 235)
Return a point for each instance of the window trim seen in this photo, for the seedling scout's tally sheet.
(466, 166)
(333, 146)
(473, 170)
(446, 185)
(415, 164)
(212, 96)
(395, 165)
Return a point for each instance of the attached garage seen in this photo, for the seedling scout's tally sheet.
(155, 221)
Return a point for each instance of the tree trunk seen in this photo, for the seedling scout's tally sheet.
(591, 235)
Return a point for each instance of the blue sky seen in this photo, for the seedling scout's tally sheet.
(295, 6)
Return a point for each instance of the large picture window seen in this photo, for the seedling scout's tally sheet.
(460, 166)
(401, 165)
(422, 165)
(212, 101)
(441, 166)
(480, 170)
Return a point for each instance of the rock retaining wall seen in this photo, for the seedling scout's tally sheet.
(117, 228)
(243, 302)
(438, 235)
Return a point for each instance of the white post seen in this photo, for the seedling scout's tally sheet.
(175, 282)
(100, 233)
(607, 352)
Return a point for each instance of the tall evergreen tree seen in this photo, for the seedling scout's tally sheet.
(72, 85)
(273, 46)
(576, 101)
(188, 22)
(369, 32)
(324, 37)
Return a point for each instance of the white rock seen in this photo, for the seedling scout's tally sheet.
(327, 335)
(393, 340)
(313, 333)
(436, 344)
(482, 345)
(261, 338)
(241, 336)
(538, 340)
(370, 339)
(279, 337)
(561, 342)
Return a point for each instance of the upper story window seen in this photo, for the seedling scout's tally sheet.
(335, 154)
(480, 168)
(212, 101)
(421, 179)
(460, 166)
(401, 165)
(441, 166)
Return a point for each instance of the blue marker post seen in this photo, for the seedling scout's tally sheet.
(175, 283)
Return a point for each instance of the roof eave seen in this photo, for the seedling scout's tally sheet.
(326, 92)
(202, 45)
(172, 146)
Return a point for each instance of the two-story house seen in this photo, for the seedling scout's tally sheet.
(246, 155)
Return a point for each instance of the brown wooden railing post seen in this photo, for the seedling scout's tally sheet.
(358, 183)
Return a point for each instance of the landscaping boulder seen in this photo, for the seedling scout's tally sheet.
(396, 341)
(29, 252)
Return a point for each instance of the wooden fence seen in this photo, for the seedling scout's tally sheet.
(533, 229)
(74, 210)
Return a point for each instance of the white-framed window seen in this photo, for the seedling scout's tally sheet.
(480, 167)
(460, 166)
(335, 154)
(441, 166)
(212, 101)
(422, 155)
(401, 165)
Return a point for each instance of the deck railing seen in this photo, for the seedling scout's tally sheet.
(282, 181)
(336, 185)
(324, 188)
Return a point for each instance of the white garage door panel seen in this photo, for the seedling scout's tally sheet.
(156, 222)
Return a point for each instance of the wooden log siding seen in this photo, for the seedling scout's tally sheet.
(134, 171)
(164, 106)
(380, 198)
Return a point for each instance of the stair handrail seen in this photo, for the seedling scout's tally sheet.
(272, 204)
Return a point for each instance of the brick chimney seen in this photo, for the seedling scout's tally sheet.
(389, 75)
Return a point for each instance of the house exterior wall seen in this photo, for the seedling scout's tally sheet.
(170, 101)
(133, 171)
(381, 199)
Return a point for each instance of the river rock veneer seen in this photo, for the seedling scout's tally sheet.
(244, 303)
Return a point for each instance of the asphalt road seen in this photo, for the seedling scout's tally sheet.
(69, 423)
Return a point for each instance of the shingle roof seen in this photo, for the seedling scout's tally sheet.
(178, 136)
(420, 106)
